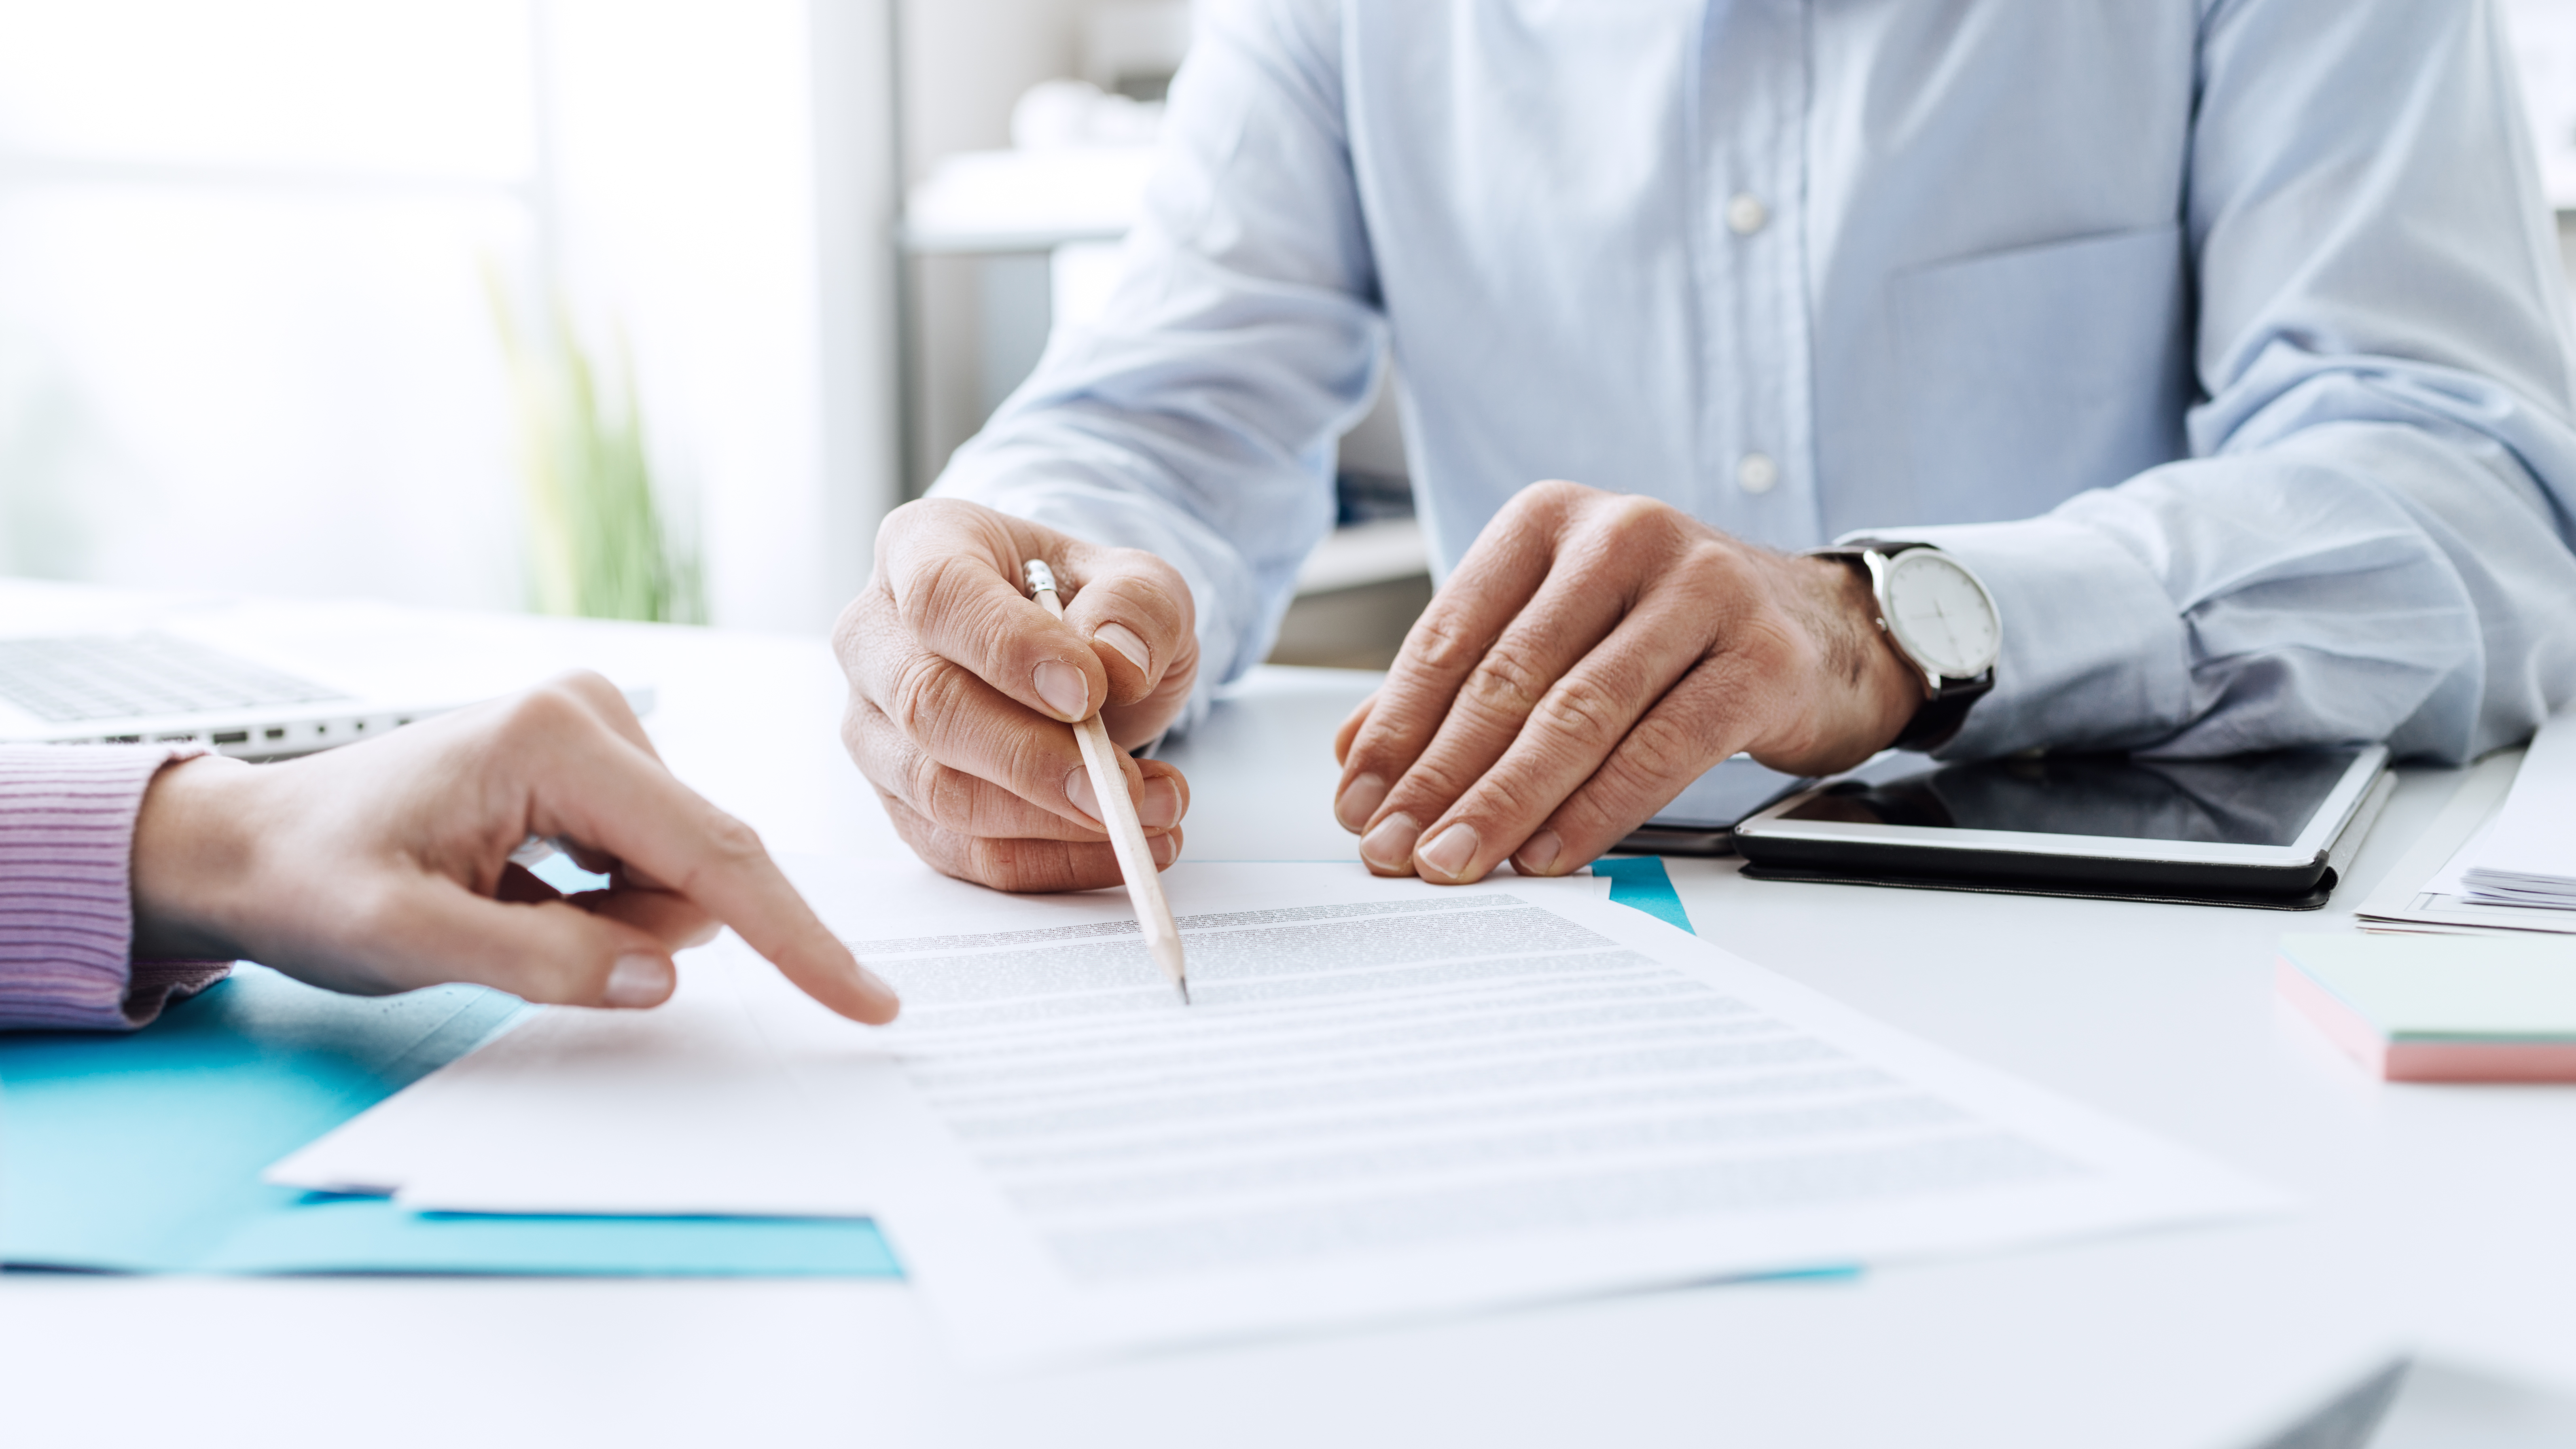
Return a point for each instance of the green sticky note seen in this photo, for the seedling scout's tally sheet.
(2441, 1008)
(2448, 986)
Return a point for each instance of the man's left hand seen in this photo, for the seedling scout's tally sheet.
(1592, 655)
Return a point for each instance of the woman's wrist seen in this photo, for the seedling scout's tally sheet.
(193, 857)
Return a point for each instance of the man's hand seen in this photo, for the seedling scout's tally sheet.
(385, 866)
(1593, 654)
(961, 687)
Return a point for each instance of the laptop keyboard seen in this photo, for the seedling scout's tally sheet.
(61, 680)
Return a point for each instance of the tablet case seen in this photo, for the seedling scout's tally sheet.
(2152, 882)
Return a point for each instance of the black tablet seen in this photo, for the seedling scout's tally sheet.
(1701, 820)
(2260, 824)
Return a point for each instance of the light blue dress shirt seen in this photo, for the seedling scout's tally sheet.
(2225, 339)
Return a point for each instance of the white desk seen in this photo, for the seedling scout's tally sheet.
(2438, 1216)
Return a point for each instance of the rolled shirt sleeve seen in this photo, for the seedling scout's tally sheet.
(1197, 421)
(66, 891)
(2372, 541)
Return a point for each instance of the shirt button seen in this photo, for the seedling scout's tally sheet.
(1755, 473)
(1745, 213)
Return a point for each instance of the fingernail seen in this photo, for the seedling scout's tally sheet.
(1167, 848)
(1077, 788)
(1126, 641)
(1541, 851)
(1064, 689)
(1359, 801)
(1161, 808)
(638, 981)
(1450, 851)
(1390, 846)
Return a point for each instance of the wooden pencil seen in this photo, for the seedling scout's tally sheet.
(1118, 817)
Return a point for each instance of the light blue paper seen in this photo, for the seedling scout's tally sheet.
(142, 1152)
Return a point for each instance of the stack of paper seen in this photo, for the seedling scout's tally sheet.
(2437, 1010)
(2500, 860)
(2528, 856)
(1388, 1100)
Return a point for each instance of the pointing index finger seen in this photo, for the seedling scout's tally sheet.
(607, 794)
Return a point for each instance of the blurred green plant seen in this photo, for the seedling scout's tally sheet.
(601, 540)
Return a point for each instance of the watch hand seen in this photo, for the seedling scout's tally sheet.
(1947, 629)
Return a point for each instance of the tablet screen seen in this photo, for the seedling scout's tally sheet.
(1726, 794)
(2264, 799)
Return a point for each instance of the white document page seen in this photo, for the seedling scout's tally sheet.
(2528, 857)
(692, 1108)
(682, 1110)
(2424, 894)
(1390, 1108)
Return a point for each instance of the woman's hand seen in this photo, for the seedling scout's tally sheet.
(385, 866)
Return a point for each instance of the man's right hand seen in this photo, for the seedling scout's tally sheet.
(961, 687)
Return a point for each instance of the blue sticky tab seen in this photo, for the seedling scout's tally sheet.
(1640, 881)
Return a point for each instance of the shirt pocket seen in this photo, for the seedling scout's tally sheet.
(2034, 374)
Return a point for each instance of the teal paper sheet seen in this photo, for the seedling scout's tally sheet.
(141, 1153)
(1641, 881)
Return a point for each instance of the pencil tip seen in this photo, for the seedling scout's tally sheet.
(1185, 991)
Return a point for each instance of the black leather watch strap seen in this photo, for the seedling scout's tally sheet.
(1938, 721)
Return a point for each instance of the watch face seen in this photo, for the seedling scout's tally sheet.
(1941, 614)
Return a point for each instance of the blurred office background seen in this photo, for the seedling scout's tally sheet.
(640, 307)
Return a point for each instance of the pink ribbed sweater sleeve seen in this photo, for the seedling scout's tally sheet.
(66, 895)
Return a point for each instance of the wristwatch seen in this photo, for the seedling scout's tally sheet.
(1941, 620)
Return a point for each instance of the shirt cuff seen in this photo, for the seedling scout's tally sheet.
(67, 818)
(2094, 652)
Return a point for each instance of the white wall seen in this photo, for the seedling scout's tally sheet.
(244, 337)
(242, 329)
(966, 61)
(696, 184)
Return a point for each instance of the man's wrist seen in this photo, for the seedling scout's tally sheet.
(1881, 689)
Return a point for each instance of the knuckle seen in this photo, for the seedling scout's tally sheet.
(726, 847)
(1138, 567)
(1505, 796)
(930, 594)
(1661, 748)
(733, 842)
(1430, 785)
(858, 719)
(585, 687)
(1632, 513)
(1441, 641)
(952, 799)
(1582, 710)
(1552, 495)
(850, 627)
(924, 694)
(1029, 761)
(1508, 679)
(918, 778)
(545, 712)
(1009, 865)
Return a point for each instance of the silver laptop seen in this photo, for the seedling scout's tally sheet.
(155, 686)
